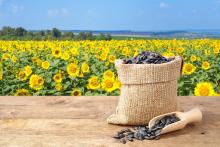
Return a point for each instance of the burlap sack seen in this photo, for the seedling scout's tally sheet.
(148, 90)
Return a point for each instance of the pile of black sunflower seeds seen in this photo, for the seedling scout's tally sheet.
(143, 132)
(148, 57)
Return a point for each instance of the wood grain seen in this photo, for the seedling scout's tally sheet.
(81, 121)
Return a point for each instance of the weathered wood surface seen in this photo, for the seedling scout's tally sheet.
(81, 121)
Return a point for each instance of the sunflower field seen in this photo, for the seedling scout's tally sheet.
(87, 67)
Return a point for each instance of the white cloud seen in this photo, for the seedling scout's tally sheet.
(16, 8)
(164, 5)
(58, 12)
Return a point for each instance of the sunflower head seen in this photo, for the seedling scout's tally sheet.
(85, 68)
(36, 82)
(204, 89)
(117, 83)
(13, 58)
(34, 59)
(108, 74)
(6, 56)
(22, 75)
(205, 65)
(108, 84)
(65, 56)
(22, 92)
(45, 65)
(111, 58)
(193, 58)
(28, 70)
(73, 70)
(76, 92)
(188, 68)
(57, 78)
(58, 86)
(103, 56)
(93, 83)
(168, 54)
(39, 62)
(180, 50)
(74, 51)
(216, 50)
(56, 52)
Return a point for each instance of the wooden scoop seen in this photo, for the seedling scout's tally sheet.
(192, 116)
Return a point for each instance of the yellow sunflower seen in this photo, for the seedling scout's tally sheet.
(103, 56)
(1, 71)
(108, 74)
(73, 69)
(93, 83)
(136, 53)
(85, 68)
(76, 92)
(216, 50)
(45, 65)
(65, 56)
(34, 59)
(168, 54)
(22, 92)
(56, 52)
(22, 75)
(13, 59)
(74, 51)
(180, 50)
(6, 56)
(117, 83)
(36, 82)
(28, 70)
(39, 62)
(204, 89)
(108, 84)
(205, 65)
(193, 58)
(111, 58)
(57, 78)
(188, 68)
(58, 86)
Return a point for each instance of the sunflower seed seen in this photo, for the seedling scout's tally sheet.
(142, 132)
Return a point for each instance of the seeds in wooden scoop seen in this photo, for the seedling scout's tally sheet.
(148, 57)
(142, 132)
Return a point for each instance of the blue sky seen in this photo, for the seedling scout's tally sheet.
(111, 14)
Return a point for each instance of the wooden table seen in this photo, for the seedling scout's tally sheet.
(81, 121)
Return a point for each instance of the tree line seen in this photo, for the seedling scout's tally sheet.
(19, 33)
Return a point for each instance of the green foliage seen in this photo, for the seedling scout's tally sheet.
(9, 33)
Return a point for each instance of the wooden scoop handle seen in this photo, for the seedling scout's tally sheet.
(193, 116)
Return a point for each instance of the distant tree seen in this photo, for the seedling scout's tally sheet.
(82, 36)
(108, 37)
(69, 35)
(9, 33)
(42, 33)
(6, 30)
(48, 32)
(20, 31)
(56, 33)
(89, 36)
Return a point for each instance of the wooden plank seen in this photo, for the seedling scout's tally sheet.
(85, 125)
(76, 107)
(56, 107)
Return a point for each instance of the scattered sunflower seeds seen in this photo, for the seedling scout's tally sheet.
(148, 57)
(143, 132)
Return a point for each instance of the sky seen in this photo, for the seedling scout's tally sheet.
(139, 15)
